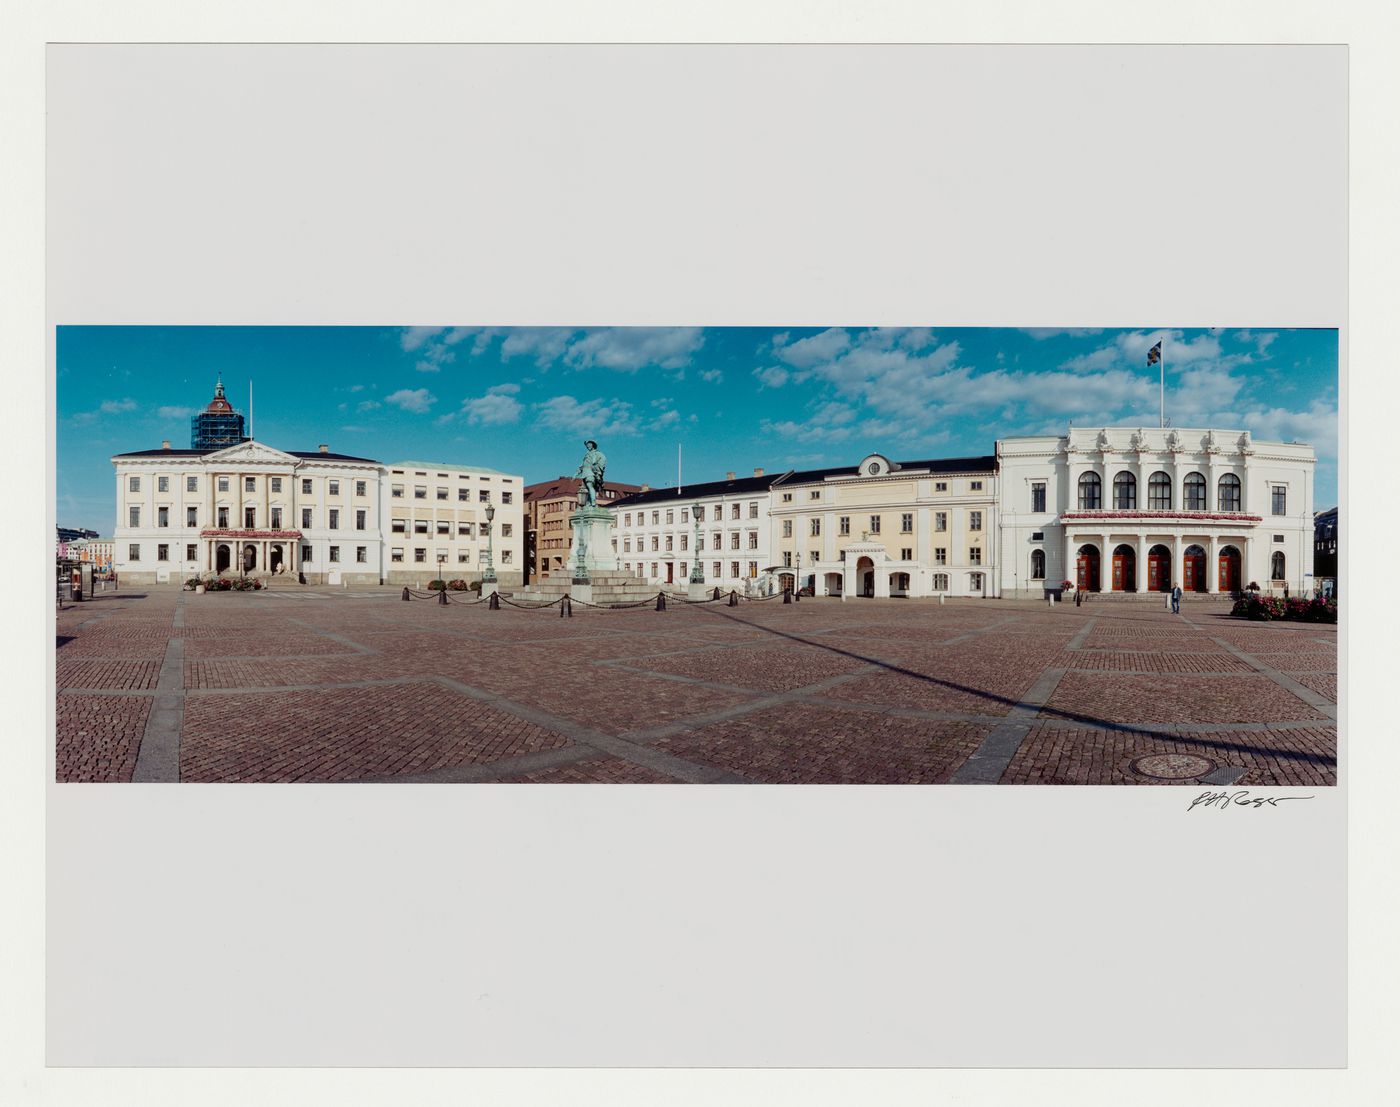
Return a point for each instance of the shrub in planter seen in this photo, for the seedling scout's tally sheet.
(474, 586)
(192, 582)
(436, 586)
(457, 585)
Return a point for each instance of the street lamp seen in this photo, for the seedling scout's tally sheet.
(489, 576)
(797, 580)
(697, 567)
(442, 558)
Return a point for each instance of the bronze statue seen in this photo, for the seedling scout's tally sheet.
(591, 472)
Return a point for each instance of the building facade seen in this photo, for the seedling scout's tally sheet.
(548, 536)
(885, 528)
(218, 425)
(660, 533)
(1326, 540)
(435, 523)
(1128, 510)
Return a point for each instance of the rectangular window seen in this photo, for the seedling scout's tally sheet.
(442, 493)
(361, 488)
(699, 542)
(940, 486)
(753, 511)
(483, 496)
(753, 569)
(940, 520)
(874, 524)
(191, 484)
(249, 518)
(360, 519)
(420, 526)
(787, 528)
(753, 539)
(306, 517)
(420, 554)
(276, 521)
(162, 552)
(133, 516)
(507, 556)
(306, 487)
(716, 570)
(974, 520)
(396, 555)
(734, 540)
(734, 511)
(398, 526)
(223, 518)
(940, 555)
(507, 529)
(1038, 536)
(685, 541)
(361, 554)
(334, 487)
(133, 552)
(335, 553)
(162, 484)
(906, 554)
(1038, 495)
(976, 486)
(420, 491)
(1280, 500)
(976, 582)
(223, 484)
(974, 555)
(133, 484)
(816, 528)
(670, 517)
(396, 492)
(669, 544)
(845, 524)
(733, 569)
(162, 516)
(906, 523)
(940, 582)
(463, 495)
(787, 497)
(250, 484)
(334, 518)
(816, 556)
(700, 513)
(464, 558)
(627, 519)
(276, 483)
(685, 515)
(507, 497)
(787, 559)
(627, 545)
(306, 555)
(444, 527)
(191, 552)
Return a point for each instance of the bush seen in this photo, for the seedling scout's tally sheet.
(1269, 608)
(436, 586)
(474, 586)
(457, 585)
(192, 582)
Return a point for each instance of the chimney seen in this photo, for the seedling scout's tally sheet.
(324, 448)
(165, 444)
(729, 476)
(758, 472)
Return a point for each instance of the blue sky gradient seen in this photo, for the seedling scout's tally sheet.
(522, 399)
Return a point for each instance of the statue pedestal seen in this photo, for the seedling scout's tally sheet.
(700, 591)
(592, 527)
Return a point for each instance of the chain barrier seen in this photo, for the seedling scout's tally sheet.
(528, 606)
(731, 598)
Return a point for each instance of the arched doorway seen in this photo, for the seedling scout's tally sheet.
(786, 582)
(1229, 569)
(1088, 569)
(865, 574)
(833, 584)
(274, 564)
(250, 558)
(222, 558)
(1159, 569)
(1124, 569)
(1193, 569)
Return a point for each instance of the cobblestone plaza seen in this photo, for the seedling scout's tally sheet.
(320, 686)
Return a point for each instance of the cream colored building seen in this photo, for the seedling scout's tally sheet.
(885, 528)
(434, 523)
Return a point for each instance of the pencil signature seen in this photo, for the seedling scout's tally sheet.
(1242, 798)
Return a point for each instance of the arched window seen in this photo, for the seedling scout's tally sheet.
(1090, 492)
(1194, 492)
(1125, 492)
(1037, 565)
(1277, 566)
(1228, 493)
(1159, 492)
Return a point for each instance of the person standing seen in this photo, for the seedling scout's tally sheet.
(1176, 598)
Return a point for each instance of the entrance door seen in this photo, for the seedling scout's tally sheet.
(275, 561)
(1229, 569)
(670, 572)
(1194, 569)
(1159, 569)
(250, 558)
(1088, 569)
(1124, 575)
(221, 559)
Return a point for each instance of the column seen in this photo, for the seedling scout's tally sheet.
(1070, 573)
(1141, 568)
(1105, 564)
(1212, 564)
(1178, 560)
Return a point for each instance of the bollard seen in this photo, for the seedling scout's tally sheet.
(442, 596)
(494, 603)
(941, 597)
(717, 593)
(796, 595)
(405, 593)
(661, 601)
(787, 595)
(733, 598)
(566, 609)
(1050, 598)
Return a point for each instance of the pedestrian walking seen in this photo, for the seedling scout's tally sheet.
(1176, 599)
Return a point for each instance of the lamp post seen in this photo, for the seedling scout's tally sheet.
(442, 558)
(489, 576)
(697, 566)
(797, 580)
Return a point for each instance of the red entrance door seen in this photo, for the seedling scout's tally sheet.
(1124, 579)
(670, 572)
(1088, 572)
(1159, 572)
(1195, 573)
(1229, 572)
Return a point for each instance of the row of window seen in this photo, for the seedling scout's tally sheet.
(444, 526)
(735, 512)
(1277, 565)
(1159, 493)
(464, 557)
(420, 492)
(683, 569)
(940, 555)
(718, 543)
(906, 523)
(250, 517)
(250, 484)
(938, 486)
(192, 553)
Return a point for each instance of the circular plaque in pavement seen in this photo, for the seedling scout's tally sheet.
(1173, 766)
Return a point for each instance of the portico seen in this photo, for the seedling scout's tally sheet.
(1154, 554)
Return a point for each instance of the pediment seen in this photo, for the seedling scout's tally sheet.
(876, 465)
(254, 453)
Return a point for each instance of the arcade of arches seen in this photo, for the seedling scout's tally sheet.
(1209, 564)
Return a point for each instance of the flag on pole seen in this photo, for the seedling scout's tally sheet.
(1154, 355)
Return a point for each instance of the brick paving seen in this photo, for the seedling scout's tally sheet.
(315, 685)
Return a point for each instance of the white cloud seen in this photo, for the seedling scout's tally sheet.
(1040, 333)
(807, 352)
(633, 348)
(497, 408)
(773, 377)
(116, 407)
(174, 411)
(410, 338)
(416, 400)
(368, 405)
(587, 417)
(712, 376)
(545, 344)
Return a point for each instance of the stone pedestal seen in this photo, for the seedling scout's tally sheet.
(592, 527)
(697, 591)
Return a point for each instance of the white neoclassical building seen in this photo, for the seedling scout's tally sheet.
(1133, 510)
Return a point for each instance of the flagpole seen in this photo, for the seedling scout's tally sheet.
(1162, 365)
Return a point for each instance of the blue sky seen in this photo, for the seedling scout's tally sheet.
(522, 399)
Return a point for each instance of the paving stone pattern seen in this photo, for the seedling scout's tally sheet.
(317, 685)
